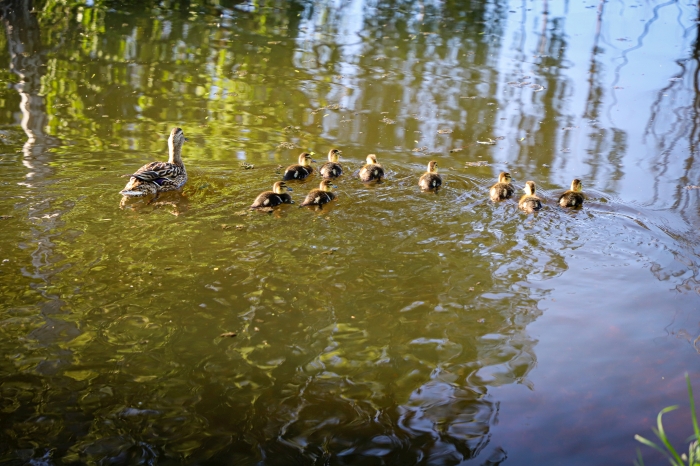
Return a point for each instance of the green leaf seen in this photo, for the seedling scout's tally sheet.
(693, 415)
(662, 435)
(639, 461)
(649, 443)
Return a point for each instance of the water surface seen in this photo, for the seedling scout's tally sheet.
(394, 326)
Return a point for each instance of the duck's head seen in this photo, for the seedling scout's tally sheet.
(576, 185)
(432, 166)
(504, 177)
(279, 187)
(177, 138)
(371, 158)
(326, 185)
(530, 188)
(305, 159)
(334, 155)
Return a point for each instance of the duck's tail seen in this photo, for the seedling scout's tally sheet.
(132, 193)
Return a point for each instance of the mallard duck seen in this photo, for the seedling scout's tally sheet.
(155, 177)
(273, 198)
(301, 170)
(430, 179)
(574, 196)
(372, 170)
(503, 189)
(530, 202)
(320, 196)
(332, 169)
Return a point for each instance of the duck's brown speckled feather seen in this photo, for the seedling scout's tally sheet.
(168, 176)
(138, 188)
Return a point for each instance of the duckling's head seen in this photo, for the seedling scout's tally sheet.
(432, 166)
(177, 138)
(371, 158)
(326, 185)
(576, 185)
(504, 177)
(529, 188)
(334, 155)
(305, 158)
(279, 187)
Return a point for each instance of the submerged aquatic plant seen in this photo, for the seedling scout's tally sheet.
(692, 458)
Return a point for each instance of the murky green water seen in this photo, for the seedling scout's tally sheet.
(394, 326)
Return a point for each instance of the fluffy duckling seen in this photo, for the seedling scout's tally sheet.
(320, 196)
(155, 177)
(372, 170)
(530, 202)
(301, 170)
(332, 169)
(503, 189)
(430, 179)
(273, 198)
(574, 196)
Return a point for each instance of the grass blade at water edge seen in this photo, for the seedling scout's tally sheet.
(692, 458)
(651, 444)
(662, 435)
(693, 416)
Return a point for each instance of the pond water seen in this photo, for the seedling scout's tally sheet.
(393, 326)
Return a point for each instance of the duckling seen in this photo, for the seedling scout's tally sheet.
(273, 198)
(332, 169)
(320, 196)
(372, 170)
(503, 189)
(574, 196)
(430, 179)
(155, 177)
(530, 202)
(301, 170)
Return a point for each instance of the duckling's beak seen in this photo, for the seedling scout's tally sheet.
(288, 188)
(186, 139)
